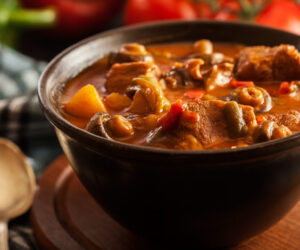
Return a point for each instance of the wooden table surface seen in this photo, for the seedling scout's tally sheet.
(65, 216)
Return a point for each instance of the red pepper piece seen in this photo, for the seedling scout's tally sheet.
(235, 84)
(171, 119)
(194, 94)
(260, 119)
(286, 88)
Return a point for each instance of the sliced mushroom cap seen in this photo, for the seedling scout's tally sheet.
(149, 96)
(193, 67)
(256, 97)
(109, 126)
(264, 131)
(132, 52)
(212, 59)
(203, 46)
(119, 57)
(119, 127)
(97, 123)
(178, 77)
(269, 130)
(219, 75)
(185, 74)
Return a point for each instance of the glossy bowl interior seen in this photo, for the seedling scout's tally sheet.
(198, 198)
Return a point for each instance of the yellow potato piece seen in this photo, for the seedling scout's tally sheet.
(117, 101)
(85, 103)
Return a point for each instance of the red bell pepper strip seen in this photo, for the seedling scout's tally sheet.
(77, 18)
(260, 119)
(139, 11)
(171, 119)
(194, 94)
(235, 84)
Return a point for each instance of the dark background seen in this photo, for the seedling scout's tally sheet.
(40, 46)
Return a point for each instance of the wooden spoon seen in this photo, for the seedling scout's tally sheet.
(17, 186)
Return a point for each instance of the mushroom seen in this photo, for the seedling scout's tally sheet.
(148, 96)
(256, 97)
(219, 75)
(132, 52)
(203, 46)
(212, 59)
(268, 130)
(183, 74)
(109, 126)
(97, 123)
(154, 136)
(178, 77)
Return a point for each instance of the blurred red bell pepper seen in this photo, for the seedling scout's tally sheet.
(281, 14)
(139, 11)
(78, 17)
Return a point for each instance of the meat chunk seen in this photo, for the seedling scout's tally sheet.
(260, 63)
(254, 63)
(286, 64)
(120, 76)
(211, 126)
(291, 119)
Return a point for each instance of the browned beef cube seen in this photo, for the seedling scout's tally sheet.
(212, 126)
(291, 119)
(286, 64)
(120, 76)
(254, 63)
(260, 63)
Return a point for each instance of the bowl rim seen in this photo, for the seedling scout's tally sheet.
(75, 132)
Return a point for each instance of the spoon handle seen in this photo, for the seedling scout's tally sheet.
(3, 235)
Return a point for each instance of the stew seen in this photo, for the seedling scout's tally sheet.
(188, 95)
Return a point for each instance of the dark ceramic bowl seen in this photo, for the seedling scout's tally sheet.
(199, 198)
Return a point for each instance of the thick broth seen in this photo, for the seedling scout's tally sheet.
(165, 56)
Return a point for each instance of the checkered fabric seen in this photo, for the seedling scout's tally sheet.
(22, 121)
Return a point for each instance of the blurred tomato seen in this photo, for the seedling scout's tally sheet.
(203, 10)
(281, 14)
(78, 17)
(138, 11)
(224, 16)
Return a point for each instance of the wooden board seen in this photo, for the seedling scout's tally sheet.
(64, 216)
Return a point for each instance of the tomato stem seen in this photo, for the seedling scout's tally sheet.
(249, 9)
(213, 4)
